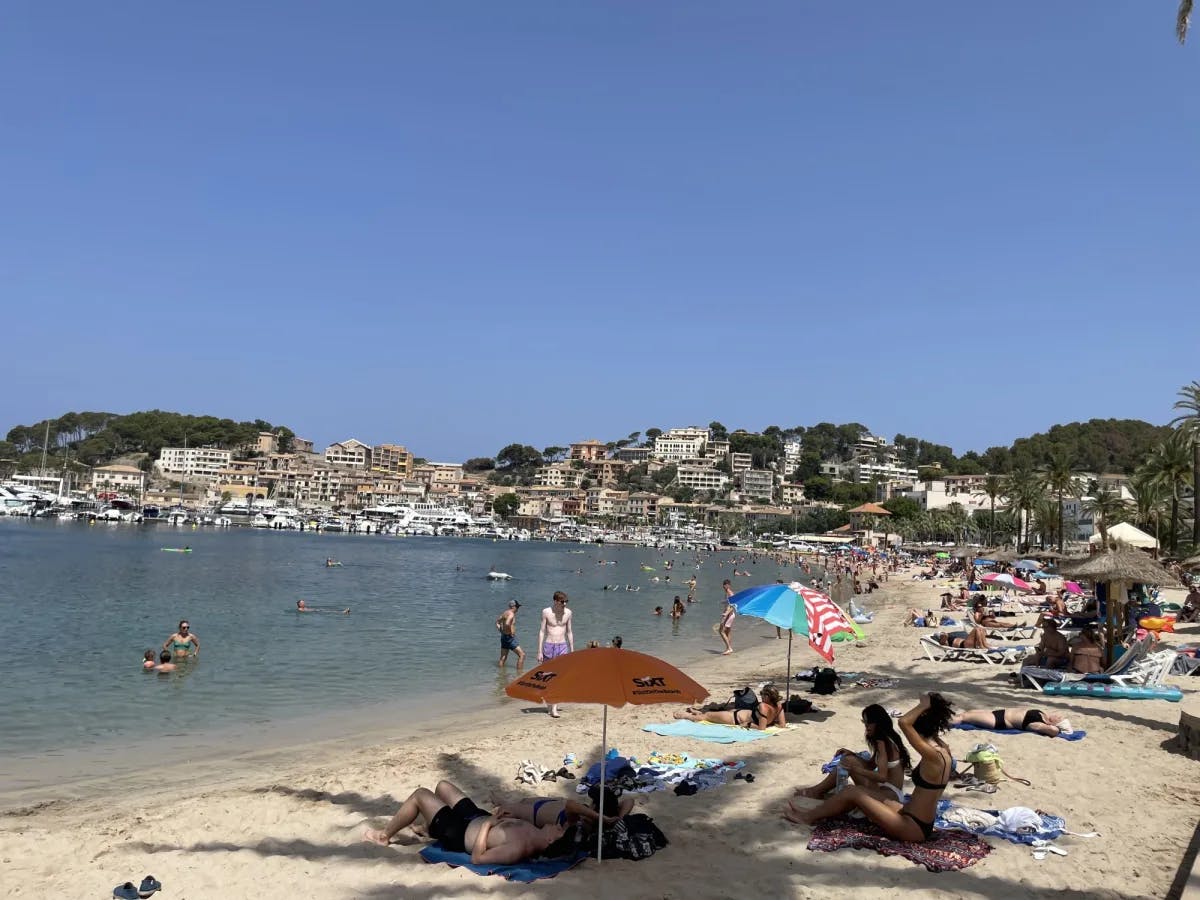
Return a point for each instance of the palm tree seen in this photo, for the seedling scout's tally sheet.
(1059, 478)
(1170, 466)
(993, 487)
(1106, 506)
(1189, 421)
(1183, 19)
(1022, 488)
(1047, 516)
(1149, 499)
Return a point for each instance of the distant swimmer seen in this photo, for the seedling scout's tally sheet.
(183, 642)
(303, 607)
(330, 562)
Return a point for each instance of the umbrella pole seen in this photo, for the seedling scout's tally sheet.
(603, 760)
(788, 674)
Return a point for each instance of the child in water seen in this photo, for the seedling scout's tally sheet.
(148, 660)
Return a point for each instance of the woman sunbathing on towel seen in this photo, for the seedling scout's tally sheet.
(884, 771)
(1049, 724)
(911, 821)
(981, 615)
(976, 638)
(542, 811)
(768, 712)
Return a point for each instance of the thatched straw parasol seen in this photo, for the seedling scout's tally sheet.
(1046, 554)
(1130, 566)
(1192, 562)
(1003, 555)
(1116, 569)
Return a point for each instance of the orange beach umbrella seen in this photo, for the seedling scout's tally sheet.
(610, 677)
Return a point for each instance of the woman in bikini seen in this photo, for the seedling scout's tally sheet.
(541, 811)
(1087, 652)
(911, 821)
(768, 712)
(183, 642)
(884, 771)
(1049, 724)
(976, 638)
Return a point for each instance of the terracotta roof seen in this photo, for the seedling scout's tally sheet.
(870, 509)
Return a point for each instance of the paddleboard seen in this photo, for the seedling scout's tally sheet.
(176, 549)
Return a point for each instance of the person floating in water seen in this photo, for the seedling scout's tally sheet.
(330, 562)
(303, 607)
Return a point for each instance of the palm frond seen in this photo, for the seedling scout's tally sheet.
(1183, 20)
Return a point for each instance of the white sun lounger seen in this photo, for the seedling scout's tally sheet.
(1037, 677)
(995, 656)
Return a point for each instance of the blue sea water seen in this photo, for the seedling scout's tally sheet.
(80, 603)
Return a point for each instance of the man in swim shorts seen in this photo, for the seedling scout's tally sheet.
(507, 626)
(556, 636)
(460, 826)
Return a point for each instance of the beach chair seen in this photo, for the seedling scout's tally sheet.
(1016, 633)
(1037, 677)
(995, 656)
(1147, 672)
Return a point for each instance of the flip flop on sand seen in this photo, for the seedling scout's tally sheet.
(149, 885)
(125, 891)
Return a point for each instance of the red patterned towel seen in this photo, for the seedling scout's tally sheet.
(946, 851)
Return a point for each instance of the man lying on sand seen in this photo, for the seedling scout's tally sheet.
(453, 819)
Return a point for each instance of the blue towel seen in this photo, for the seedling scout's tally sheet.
(706, 731)
(523, 872)
(1073, 736)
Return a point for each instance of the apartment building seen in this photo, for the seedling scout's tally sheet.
(605, 502)
(634, 455)
(757, 483)
(558, 475)
(391, 459)
(701, 478)
(606, 472)
(643, 506)
(352, 454)
(588, 450)
(790, 493)
(118, 479)
(717, 449)
(741, 462)
(194, 462)
(679, 444)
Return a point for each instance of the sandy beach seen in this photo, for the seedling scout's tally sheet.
(276, 825)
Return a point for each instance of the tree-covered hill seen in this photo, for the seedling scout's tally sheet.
(96, 437)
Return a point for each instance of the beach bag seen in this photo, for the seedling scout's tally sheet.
(634, 837)
(798, 706)
(988, 768)
(824, 681)
(745, 699)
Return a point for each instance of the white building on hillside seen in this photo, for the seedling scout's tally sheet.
(353, 454)
(194, 462)
(679, 444)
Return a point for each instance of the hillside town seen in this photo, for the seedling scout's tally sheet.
(686, 476)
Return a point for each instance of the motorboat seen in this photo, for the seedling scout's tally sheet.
(498, 576)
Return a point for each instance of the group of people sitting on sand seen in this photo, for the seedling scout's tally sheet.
(873, 781)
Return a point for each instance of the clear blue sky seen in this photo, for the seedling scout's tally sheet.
(461, 225)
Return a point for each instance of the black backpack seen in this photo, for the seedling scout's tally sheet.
(798, 706)
(745, 699)
(825, 681)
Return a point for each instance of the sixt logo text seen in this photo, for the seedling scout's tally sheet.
(650, 682)
(543, 677)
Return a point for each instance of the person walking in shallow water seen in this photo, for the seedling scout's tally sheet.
(507, 626)
(556, 636)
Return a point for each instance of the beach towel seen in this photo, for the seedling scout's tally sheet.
(1076, 735)
(1019, 825)
(707, 731)
(946, 851)
(523, 872)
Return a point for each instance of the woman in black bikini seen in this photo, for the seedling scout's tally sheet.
(975, 638)
(1019, 719)
(768, 712)
(911, 821)
(884, 770)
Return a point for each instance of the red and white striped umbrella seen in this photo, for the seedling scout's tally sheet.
(1009, 581)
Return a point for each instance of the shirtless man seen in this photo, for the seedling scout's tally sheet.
(507, 626)
(555, 636)
(164, 663)
(460, 826)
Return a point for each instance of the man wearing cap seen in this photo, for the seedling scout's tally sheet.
(507, 626)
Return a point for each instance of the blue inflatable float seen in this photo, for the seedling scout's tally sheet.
(1120, 691)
